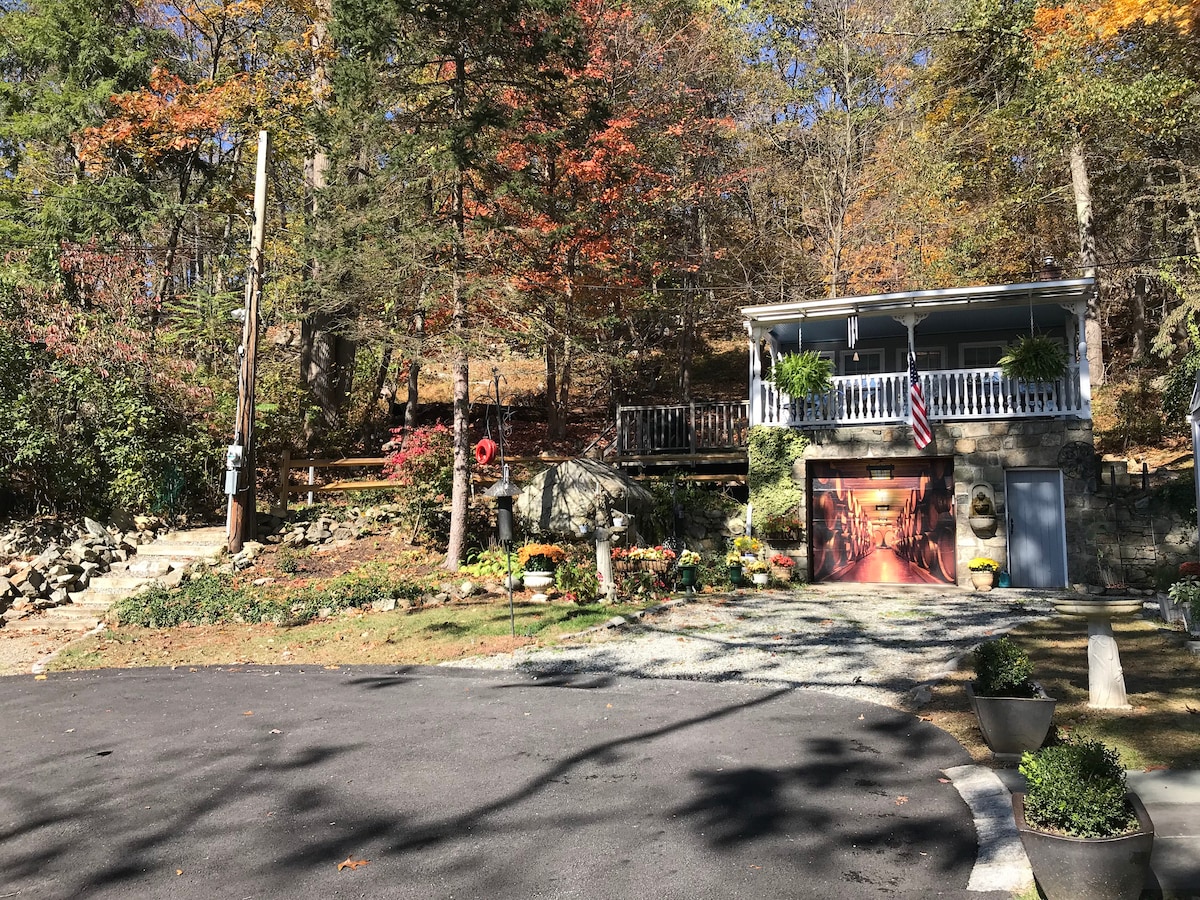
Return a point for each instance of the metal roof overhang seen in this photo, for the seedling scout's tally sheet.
(1068, 291)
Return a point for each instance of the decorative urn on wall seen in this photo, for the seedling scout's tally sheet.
(981, 515)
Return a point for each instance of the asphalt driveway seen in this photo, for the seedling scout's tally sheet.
(258, 782)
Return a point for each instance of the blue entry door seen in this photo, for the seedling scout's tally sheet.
(1037, 537)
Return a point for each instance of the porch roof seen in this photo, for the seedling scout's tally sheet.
(959, 299)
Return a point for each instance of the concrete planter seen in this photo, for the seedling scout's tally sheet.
(1012, 725)
(1072, 868)
(984, 580)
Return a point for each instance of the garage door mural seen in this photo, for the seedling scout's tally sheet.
(882, 521)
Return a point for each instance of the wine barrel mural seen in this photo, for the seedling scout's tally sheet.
(882, 521)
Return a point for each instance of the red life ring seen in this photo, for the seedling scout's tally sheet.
(485, 451)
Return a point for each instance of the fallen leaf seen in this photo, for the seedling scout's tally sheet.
(608, 706)
(925, 718)
(349, 863)
(861, 717)
(248, 712)
(756, 867)
(944, 780)
(276, 731)
(179, 871)
(901, 800)
(39, 677)
(333, 667)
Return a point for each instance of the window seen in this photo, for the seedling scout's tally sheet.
(869, 362)
(980, 355)
(927, 359)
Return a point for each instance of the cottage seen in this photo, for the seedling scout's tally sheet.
(888, 487)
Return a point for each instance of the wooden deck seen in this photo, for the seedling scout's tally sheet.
(682, 430)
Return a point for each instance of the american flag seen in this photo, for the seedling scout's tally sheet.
(916, 400)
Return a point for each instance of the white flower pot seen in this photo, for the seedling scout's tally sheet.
(760, 578)
(535, 581)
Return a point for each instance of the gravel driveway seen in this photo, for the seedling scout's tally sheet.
(871, 642)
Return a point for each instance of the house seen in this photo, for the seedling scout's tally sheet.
(1007, 468)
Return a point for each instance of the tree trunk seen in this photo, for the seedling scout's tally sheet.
(458, 329)
(381, 380)
(560, 398)
(412, 398)
(326, 357)
(555, 426)
(1081, 184)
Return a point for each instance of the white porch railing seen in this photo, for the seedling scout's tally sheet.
(950, 395)
(684, 428)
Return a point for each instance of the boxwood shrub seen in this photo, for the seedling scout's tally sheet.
(1077, 788)
(1002, 669)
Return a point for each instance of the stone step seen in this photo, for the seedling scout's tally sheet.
(63, 618)
(118, 585)
(214, 535)
(182, 550)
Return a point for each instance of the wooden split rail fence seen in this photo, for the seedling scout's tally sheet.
(340, 485)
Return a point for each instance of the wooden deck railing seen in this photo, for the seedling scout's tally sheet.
(683, 428)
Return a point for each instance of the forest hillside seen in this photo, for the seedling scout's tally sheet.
(578, 195)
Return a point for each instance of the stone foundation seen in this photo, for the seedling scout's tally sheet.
(1112, 535)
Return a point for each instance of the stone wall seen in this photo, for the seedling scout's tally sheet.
(1124, 530)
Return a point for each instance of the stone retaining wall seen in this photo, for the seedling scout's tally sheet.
(1122, 535)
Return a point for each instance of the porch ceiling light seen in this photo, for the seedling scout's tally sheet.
(880, 473)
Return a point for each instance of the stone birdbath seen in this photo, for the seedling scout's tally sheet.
(1106, 679)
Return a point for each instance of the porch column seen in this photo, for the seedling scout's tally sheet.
(910, 321)
(756, 386)
(1085, 372)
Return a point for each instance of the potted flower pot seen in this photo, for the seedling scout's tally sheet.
(1086, 836)
(536, 581)
(735, 575)
(760, 579)
(687, 576)
(983, 572)
(1013, 711)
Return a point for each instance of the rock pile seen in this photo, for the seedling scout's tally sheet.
(357, 522)
(74, 555)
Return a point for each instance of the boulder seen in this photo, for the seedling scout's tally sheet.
(95, 529)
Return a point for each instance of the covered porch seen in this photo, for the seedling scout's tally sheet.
(957, 336)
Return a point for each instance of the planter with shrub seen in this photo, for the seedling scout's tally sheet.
(1013, 711)
(1086, 836)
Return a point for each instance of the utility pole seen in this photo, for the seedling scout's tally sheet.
(240, 470)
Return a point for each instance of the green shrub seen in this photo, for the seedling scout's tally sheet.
(774, 494)
(287, 560)
(213, 598)
(1186, 592)
(577, 579)
(1002, 669)
(1077, 788)
(491, 564)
